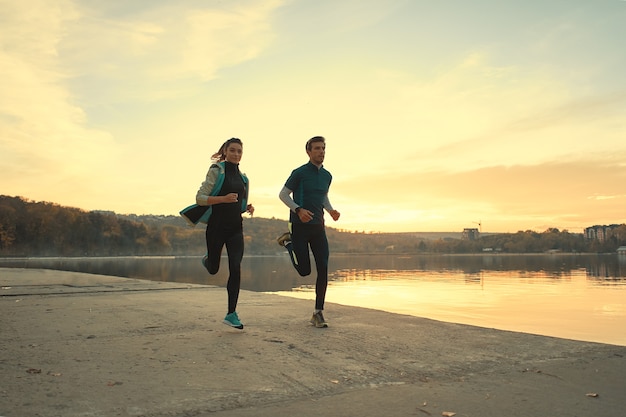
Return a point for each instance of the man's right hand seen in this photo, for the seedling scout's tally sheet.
(305, 215)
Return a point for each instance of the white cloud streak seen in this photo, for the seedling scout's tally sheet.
(42, 129)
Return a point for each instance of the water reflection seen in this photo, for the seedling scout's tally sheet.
(568, 304)
(579, 297)
(274, 273)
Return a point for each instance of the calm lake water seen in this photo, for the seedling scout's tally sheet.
(581, 297)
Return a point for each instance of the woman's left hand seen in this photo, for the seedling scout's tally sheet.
(250, 209)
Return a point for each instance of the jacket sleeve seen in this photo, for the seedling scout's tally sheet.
(207, 186)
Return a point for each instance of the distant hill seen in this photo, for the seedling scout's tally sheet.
(30, 228)
(163, 220)
(433, 235)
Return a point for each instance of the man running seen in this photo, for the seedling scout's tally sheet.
(306, 195)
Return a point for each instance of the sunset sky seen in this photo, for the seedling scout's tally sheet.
(438, 115)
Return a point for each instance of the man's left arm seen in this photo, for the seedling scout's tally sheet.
(329, 208)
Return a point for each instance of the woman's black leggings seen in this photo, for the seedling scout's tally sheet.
(215, 241)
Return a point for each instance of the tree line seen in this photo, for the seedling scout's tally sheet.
(31, 228)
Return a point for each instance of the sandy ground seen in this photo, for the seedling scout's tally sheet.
(83, 345)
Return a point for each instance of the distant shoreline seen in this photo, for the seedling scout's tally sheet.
(338, 254)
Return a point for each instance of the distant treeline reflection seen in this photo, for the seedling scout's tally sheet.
(275, 273)
(29, 228)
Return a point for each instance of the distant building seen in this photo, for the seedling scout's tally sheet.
(599, 232)
(621, 250)
(470, 234)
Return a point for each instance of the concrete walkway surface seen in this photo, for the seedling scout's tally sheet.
(83, 345)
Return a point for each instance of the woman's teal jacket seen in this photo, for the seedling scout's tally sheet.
(200, 213)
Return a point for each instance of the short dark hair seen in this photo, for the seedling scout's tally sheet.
(314, 139)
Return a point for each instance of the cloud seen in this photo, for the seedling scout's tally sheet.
(606, 197)
(220, 38)
(45, 143)
(475, 113)
(554, 194)
(63, 63)
(577, 111)
(42, 128)
(162, 51)
(571, 122)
